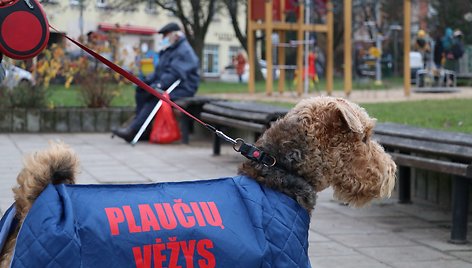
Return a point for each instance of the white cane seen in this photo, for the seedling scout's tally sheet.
(152, 114)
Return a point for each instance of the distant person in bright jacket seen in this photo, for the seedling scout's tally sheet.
(177, 60)
(422, 46)
(240, 63)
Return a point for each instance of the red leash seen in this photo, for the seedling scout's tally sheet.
(24, 33)
(248, 150)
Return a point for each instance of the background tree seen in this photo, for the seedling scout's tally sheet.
(194, 15)
(195, 18)
(234, 9)
(451, 14)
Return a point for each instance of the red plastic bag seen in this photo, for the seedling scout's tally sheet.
(165, 128)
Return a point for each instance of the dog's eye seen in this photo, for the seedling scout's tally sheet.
(364, 139)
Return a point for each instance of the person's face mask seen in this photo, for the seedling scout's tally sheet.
(165, 42)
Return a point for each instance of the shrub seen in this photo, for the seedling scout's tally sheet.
(97, 84)
(23, 96)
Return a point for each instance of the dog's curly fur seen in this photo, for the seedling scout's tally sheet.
(325, 141)
(322, 142)
(58, 164)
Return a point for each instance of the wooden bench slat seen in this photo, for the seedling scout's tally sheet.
(406, 131)
(252, 107)
(230, 113)
(420, 148)
(221, 120)
(456, 152)
(431, 164)
(195, 100)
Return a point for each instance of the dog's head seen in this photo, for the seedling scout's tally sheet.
(327, 141)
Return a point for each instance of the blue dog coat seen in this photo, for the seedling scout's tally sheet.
(229, 222)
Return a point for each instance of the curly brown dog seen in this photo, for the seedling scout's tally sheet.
(322, 142)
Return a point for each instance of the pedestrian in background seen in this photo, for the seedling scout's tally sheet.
(423, 47)
(240, 65)
(177, 60)
(455, 52)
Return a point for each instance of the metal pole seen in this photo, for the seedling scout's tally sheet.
(329, 49)
(307, 36)
(268, 47)
(395, 52)
(406, 46)
(299, 42)
(347, 47)
(378, 45)
(81, 17)
(378, 67)
(251, 49)
(152, 114)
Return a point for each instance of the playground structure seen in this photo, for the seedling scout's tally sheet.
(270, 16)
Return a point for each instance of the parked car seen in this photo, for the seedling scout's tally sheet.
(16, 76)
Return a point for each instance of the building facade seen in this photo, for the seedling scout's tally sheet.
(138, 25)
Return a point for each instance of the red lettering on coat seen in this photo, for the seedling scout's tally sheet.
(174, 248)
(181, 210)
(208, 260)
(148, 219)
(133, 228)
(115, 216)
(198, 214)
(142, 259)
(159, 258)
(212, 215)
(166, 216)
(188, 251)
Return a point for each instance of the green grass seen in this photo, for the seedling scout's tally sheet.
(59, 96)
(260, 86)
(450, 115)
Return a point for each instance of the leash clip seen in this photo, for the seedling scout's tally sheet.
(225, 137)
(251, 152)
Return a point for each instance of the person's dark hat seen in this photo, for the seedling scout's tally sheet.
(170, 27)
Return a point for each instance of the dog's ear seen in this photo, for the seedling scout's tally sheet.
(349, 116)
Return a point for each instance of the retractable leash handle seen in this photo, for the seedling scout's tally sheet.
(24, 30)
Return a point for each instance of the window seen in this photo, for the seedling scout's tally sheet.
(210, 60)
(101, 3)
(74, 2)
(150, 7)
(172, 5)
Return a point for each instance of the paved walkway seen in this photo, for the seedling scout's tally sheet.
(385, 234)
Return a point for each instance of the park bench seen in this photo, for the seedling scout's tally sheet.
(410, 147)
(433, 150)
(250, 116)
(193, 105)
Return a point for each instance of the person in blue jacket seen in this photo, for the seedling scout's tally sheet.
(177, 60)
